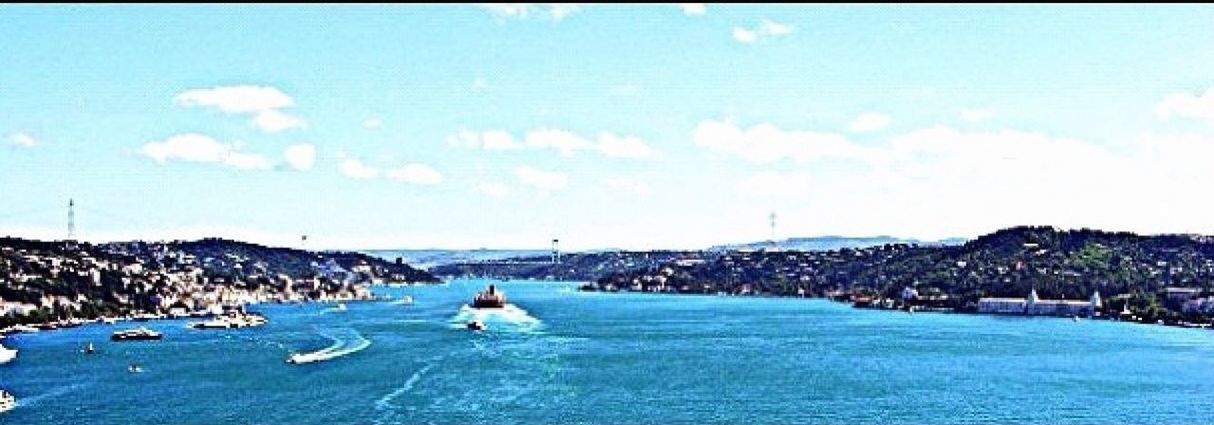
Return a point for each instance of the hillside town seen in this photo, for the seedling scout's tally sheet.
(1023, 270)
(65, 284)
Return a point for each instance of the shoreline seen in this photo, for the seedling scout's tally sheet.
(917, 309)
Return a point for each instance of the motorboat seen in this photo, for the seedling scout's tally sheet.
(476, 325)
(135, 335)
(134, 368)
(88, 349)
(489, 298)
(7, 401)
(7, 354)
(213, 324)
(296, 358)
(341, 306)
(405, 300)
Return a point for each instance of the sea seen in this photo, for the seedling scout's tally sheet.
(569, 357)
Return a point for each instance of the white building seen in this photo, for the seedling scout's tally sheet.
(1034, 306)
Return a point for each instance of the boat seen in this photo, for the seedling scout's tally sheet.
(25, 329)
(135, 335)
(476, 325)
(134, 368)
(489, 298)
(7, 354)
(88, 349)
(405, 300)
(1074, 318)
(7, 401)
(213, 324)
(341, 306)
(108, 320)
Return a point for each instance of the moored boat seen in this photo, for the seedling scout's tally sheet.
(7, 354)
(135, 335)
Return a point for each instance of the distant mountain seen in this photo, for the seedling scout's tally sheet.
(830, 243)
(429, 258)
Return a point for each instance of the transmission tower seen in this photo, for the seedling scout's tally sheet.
(71, 219)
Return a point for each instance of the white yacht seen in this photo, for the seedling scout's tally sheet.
(7, 401)
(7, 354)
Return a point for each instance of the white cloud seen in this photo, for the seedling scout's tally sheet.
(373, 123)
(766, 29)
(23, 139)
(354, 168)
(563, 141)
(744, 35)
(693, 8)
(624, 146)
(416, 173)
(199, 148)
(300, 157)
(493, 140)
(274, 121)
(236, 99)
(869, 122)
(775, 29)
(628, 185)
(976, 114)
(765, 143)
(247, 161)
(553, 11)
(1186, 105)
(545, 181)
(770, 183)
(493, 189)
(263, 103)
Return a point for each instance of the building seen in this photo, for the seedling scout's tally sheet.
(1035, 306)
(1180, 295)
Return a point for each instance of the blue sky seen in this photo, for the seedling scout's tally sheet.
(467, 126)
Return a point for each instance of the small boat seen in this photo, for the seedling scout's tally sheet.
(108, 320)
(213, 324)
(489, 298)
(476, 325)
(134, 368)
(1074, 318)
(88, 349)
(405, 300)
(295, 358)
(135, 335)
(341, 306)
(7, 354)
(7, 401)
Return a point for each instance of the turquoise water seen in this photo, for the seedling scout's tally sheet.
(570, 357)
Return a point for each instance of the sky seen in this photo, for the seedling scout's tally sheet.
(636, 127)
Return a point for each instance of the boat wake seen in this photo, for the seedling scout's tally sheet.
(340, 347)
(509, 315)
(34, 400)
(385, 402)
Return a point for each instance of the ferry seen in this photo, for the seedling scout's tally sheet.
(7, 401)
(490, 298)
(135, 334)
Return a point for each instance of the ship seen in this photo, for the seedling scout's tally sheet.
(489, 298)
(135, 334)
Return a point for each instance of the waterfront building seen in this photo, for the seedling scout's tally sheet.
(1035, 306)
